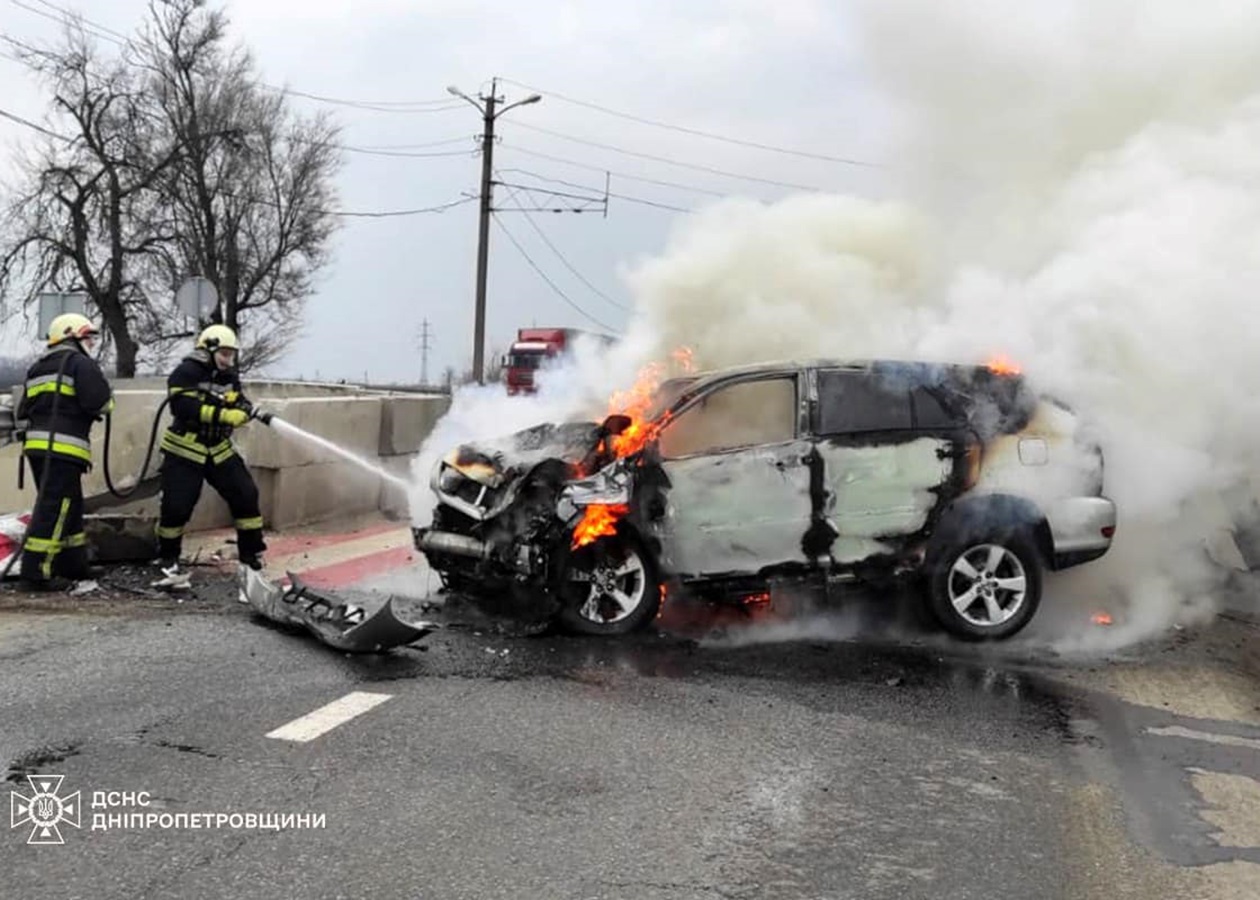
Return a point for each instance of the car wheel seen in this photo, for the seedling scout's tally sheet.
(609, 587)
(986, 589)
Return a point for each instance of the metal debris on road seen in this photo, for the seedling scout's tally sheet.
(339, 624)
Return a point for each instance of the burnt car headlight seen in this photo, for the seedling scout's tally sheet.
(566, 509)
(448, 480)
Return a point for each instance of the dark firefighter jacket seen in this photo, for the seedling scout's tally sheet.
(200, 393)
(81, 395)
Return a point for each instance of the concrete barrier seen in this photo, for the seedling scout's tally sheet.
(299, 482)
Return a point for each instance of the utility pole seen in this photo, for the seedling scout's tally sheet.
(488, 116)
(424, 354)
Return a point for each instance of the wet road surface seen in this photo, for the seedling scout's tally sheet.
(701, 761)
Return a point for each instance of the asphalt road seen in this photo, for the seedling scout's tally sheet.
(704, 761)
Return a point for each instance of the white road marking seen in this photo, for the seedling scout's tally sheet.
(326, 718)
(1226, 739)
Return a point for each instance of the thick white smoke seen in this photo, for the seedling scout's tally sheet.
(579, 387)
(1080, 191)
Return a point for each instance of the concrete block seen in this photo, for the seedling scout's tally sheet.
(298, 482)
(407, 420)
(211, 511)
(129, 437)
(322, 491)
(352, 423)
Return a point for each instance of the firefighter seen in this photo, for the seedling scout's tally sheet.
(64, 393)
(207, 405)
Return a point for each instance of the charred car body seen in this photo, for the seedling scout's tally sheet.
(959, 477)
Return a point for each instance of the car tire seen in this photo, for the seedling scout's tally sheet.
(985, 588)
(609, 587)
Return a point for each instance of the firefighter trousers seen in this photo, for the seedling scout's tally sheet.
(181, 489)
(55, 543)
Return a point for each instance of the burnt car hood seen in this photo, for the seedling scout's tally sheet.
(498, 461)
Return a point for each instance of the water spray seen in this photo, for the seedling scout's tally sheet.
(292, 430)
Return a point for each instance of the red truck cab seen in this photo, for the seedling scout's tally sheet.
(534, 348)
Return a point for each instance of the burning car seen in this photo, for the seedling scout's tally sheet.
(960, 478)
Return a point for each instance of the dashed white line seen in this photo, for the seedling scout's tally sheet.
(1226, 739)
(326, 718)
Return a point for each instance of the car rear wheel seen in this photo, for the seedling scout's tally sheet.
(987, 588)
(609, 587)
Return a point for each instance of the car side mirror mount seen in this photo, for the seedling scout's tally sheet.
(616, 424)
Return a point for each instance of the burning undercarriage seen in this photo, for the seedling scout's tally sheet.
(873, 471)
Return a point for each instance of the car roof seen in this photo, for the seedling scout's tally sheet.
(924, 369)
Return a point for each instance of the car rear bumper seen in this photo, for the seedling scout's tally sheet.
(1081, 528)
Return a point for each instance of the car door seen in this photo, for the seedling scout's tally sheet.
(883, 474)
(738, 495)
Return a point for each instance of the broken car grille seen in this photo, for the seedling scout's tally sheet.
(467, 490)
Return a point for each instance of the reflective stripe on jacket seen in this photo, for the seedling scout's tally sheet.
(64, 393)
(199, 393)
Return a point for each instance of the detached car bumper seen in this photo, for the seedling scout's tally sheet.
(1082, 529)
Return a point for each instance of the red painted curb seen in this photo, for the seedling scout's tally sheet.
(287, 545)
(350, 571)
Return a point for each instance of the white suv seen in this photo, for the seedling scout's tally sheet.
(959, 476)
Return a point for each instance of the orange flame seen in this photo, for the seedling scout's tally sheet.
(1001, 365)
(636, 401)
(1101, 618)
(598, 520)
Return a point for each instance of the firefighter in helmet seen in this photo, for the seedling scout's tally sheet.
(207, 406)
(64, 393)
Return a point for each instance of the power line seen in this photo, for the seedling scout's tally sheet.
(441, 104)
(67, 17)
(565, 297)
(626, 197)
(401, 153)
(560, 159)
(442, 207)
(29, 124)
(672, 162)
(368, 151)
(652, 203)
(697, 132)
(441, 143)
(66, 12)
(580, 277)
(371, 106)
(353, 214)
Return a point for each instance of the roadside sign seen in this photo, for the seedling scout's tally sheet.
(197, 298)
(54, 303)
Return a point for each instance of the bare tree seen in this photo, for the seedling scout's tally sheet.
(83, 221)
(495, 371)
(174, 161)
(254, 215)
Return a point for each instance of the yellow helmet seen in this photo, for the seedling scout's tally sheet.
(218, 337)
(70, 325)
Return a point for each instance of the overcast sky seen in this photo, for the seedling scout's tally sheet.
(784, 73)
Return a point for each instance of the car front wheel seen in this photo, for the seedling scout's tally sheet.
(986, 589)
(609, 587)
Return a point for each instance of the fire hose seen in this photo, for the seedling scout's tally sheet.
(120, 493)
